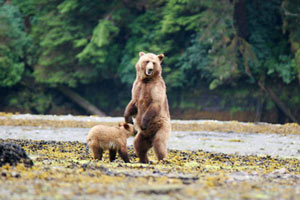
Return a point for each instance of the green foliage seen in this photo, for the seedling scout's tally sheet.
(144, 37)
(291, 25)
(95, 50)
(269, 44)
(218, 55)
(283, 67)
(73, 41)
(210, 55)
(154, 31)
(194, 63)
(67, 6)
(83, 44)
(11, 73)
(34, 100)
(182, 15)
(57, 63)
(13, 41)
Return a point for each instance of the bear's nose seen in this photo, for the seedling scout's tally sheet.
(149, 68)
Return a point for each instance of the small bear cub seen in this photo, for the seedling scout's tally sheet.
(114, 139)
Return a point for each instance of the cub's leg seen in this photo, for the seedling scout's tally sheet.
(160, 143)
(97, 152)
(112, 154)
(96, 149)
(123, 153)
(141, 146)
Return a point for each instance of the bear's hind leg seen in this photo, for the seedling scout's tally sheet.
(160, 149)
(112, 154)
(160, 143)
(141, 146)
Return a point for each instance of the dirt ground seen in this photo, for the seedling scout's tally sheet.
(66, 170)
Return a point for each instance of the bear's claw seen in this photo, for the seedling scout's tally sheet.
(129, 120)
(144, 126)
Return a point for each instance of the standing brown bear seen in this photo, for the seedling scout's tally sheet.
(150, 105)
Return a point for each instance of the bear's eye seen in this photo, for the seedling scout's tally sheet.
(147, 61)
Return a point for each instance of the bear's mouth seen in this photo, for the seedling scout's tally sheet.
(149, 71)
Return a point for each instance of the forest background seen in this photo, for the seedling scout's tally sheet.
(225, 59)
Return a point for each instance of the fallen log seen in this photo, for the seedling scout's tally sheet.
(278, 102)
(81, 101)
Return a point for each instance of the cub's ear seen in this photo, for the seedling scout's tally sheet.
(119, 124)
(161, 57)
(141, 54)
(126, 126)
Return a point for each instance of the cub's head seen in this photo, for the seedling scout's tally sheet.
(128, 129)
(149, 65)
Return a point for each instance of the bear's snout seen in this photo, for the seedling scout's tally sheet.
(149, 68)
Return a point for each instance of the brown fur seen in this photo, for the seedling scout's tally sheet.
(150, 105)
(114, 139)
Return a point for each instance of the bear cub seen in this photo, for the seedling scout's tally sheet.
(114, 139)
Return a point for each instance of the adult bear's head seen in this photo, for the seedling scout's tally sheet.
(149, 66)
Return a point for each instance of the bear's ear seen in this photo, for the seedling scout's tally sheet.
(161, 57)
(119, 124)
(126, 126)
(141, 54)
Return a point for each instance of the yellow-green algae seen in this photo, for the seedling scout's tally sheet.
(231, 126)
(65, 170)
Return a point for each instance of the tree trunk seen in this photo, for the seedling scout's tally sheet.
(259, 109)
(278, 102)
(240, 19)
(81, 101)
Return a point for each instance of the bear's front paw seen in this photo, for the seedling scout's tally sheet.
(144, 126)
(128, 120)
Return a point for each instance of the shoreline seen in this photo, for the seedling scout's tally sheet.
(8, 119)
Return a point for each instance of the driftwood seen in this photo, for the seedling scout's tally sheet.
(81, 101)
(278, 102)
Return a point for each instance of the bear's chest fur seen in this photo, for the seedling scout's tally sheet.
(143, 96)
(147, 93)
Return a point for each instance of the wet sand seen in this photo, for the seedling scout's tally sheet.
(277, 145)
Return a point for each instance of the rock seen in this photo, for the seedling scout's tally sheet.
(13, 154)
